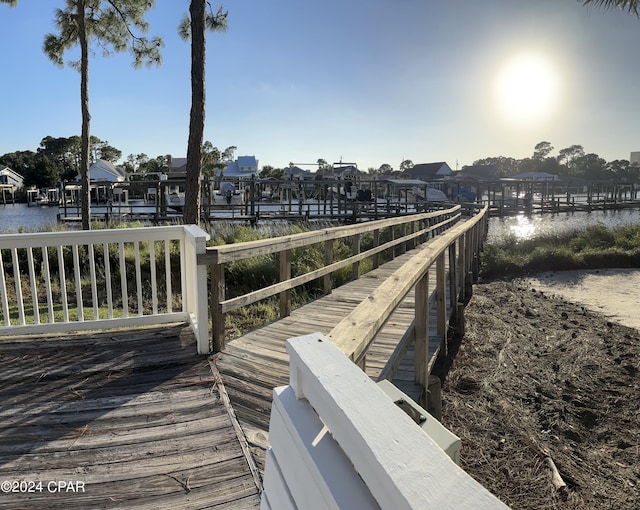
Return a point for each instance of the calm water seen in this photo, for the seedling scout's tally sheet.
(523, 227)
(19, 217)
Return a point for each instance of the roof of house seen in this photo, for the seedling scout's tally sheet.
(296, 171)
(429, 170)
(176, 163)
(234, 167)
(346, 170)
(243, 161)
(106, 171)
(9, 171)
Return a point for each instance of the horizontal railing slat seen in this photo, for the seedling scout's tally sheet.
(271, 290)
(232, 252)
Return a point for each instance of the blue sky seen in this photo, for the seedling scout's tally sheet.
(365, 81)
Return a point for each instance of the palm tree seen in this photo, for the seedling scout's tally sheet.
(195, 26)
(631, 6)
(109, 23)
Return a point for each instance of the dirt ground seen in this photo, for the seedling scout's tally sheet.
(538, 383)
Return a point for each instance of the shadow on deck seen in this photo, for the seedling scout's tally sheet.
(134, 419)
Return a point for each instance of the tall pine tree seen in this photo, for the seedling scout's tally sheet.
(195, 26)
(111, 24)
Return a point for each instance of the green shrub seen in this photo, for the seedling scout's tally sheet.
(495, 261)
(594, 237)
(549, 258)
(627, 237)
(613, 257)
(595, 247)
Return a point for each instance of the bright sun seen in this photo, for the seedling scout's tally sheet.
(526, 88)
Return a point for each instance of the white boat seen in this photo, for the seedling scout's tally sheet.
(175, 200)
(41, 199)
(45, 196)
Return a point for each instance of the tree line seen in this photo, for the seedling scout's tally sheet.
(570, 162)
(56, 159)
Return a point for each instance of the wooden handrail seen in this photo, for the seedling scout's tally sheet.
(217, 256)
(239, 251)
(246, 299)
(354, 334)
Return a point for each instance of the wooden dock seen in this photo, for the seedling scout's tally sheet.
(143, 422)
(127, 419)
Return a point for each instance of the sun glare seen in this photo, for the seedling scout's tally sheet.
(526, 88)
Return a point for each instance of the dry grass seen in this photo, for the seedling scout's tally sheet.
(538, 377)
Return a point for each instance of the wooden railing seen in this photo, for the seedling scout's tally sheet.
(71, 281)
(414, 229)
(461, 244)
(336, 438)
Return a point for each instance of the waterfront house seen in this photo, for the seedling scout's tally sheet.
(295, 172)
(176, 165)
(429, 171)
(10, 178)
(101, 171)
(244, 167)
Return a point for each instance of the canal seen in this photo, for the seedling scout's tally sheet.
(19, 217)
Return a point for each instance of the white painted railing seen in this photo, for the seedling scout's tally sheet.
(71, 281)
(339, 442)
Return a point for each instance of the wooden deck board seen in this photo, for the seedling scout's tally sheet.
(135, 415)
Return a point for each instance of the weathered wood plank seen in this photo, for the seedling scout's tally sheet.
(134, 415)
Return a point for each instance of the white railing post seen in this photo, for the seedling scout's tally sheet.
(338, 441)
(195, 285)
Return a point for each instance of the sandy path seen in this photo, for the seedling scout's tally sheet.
(613, 292)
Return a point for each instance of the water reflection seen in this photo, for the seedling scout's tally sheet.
(523, 227)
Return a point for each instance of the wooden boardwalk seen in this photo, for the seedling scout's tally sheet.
(252, 365)
(144, 422)
(135, 417)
